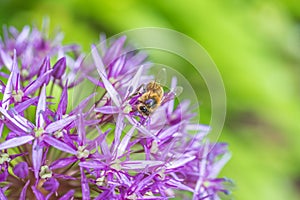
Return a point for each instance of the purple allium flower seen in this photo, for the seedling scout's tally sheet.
(100, 150)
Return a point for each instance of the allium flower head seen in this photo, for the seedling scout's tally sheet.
(106, 149)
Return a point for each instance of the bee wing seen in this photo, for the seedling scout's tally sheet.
(161, 76)
(177, 90)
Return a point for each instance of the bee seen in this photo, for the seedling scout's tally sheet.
(150, 99)
(147, 98)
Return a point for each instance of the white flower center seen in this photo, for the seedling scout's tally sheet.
(4, 157)
(127, 109)
(133, 197)
(24, 72)
(100, 181)
(154, 147)
(17, 95)
(59, 134)
(38, 131)
(82, 152)
(45, 172)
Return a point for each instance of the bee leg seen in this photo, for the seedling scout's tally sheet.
(137, 91)
(145, 121)
(137, 122)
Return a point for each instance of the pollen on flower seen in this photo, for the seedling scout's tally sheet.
(100, 181)
(45, 172)
(4, 157)
(82, 152)
(154, 147)
(127, 109)
(112, 80)
(38, 131)
(206, 183)
(59, 134)
(65, 116)
(17, 95)
(24, 72)
(149, 193)
(132, 197)
(161, 173)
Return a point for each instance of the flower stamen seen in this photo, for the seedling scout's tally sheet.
(45, 172)
(4, 157)
(17, 95)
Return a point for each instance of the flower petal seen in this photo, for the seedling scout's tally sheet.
(114, 50)
(81, 131)
(92, 164)
(59, 68)
(118, 131)
(23, 35)
(62, 162)
(202, 170)
(37, 154)
(219, 165)
(41, 108)
(2, 195)
(11, 82)
(17, 121)
(117, 65)
(103, 145)
(98, 61)
(63, 103)
(84, 186)
(101, 71)
(17, 141)
(68, 195)
(95, 81)
(25, 104)
(179, 185)
(3, 175)
(123, 144)
(59, 145)
(37, 193)
(21, 170)
(108, 109)
(36, 84)
(140, 164)
(57, 125)
(44, 68)
(180, 162)
(23, 192)
(51, 185)
(142, 129)
(7, 60)
(169, 131)
(1, 128)
(134, 83)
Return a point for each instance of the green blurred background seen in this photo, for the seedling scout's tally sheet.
(254, 43)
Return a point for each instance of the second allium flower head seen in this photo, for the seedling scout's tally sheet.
(103, 150)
